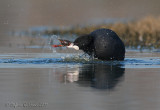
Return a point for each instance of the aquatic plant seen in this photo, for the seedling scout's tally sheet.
(140, 33)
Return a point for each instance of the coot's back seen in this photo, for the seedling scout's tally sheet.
(107, 45)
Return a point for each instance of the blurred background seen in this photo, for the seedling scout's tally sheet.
(18, 15)
(32, 72)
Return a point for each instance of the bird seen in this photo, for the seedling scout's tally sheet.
(103, 44)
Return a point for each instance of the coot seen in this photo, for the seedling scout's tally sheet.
(102, 43)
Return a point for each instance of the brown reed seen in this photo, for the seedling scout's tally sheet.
(144, 32)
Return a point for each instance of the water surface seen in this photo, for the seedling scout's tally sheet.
(67, 82)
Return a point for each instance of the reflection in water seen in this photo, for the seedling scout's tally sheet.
(98, 76)
(72, 76)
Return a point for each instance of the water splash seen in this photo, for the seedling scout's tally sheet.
(53, 40)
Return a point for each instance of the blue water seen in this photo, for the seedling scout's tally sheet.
(72, 59)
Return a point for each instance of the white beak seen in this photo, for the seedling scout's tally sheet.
(73, 46)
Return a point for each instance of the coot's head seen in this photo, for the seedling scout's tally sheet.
(82, 42)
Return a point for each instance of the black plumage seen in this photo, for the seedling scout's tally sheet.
(103, 44)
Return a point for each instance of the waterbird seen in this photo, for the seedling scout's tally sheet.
(102, 43)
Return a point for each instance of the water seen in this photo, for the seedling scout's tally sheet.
(66, 81)
(37, 77)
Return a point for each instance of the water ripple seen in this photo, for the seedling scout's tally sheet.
(73, 60)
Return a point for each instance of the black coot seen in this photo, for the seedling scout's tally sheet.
(103, 44)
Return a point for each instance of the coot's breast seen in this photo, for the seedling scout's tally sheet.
(107, 45)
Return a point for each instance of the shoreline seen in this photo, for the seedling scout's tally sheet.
(140, 33)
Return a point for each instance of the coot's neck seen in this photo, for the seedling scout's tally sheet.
(85, 43)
